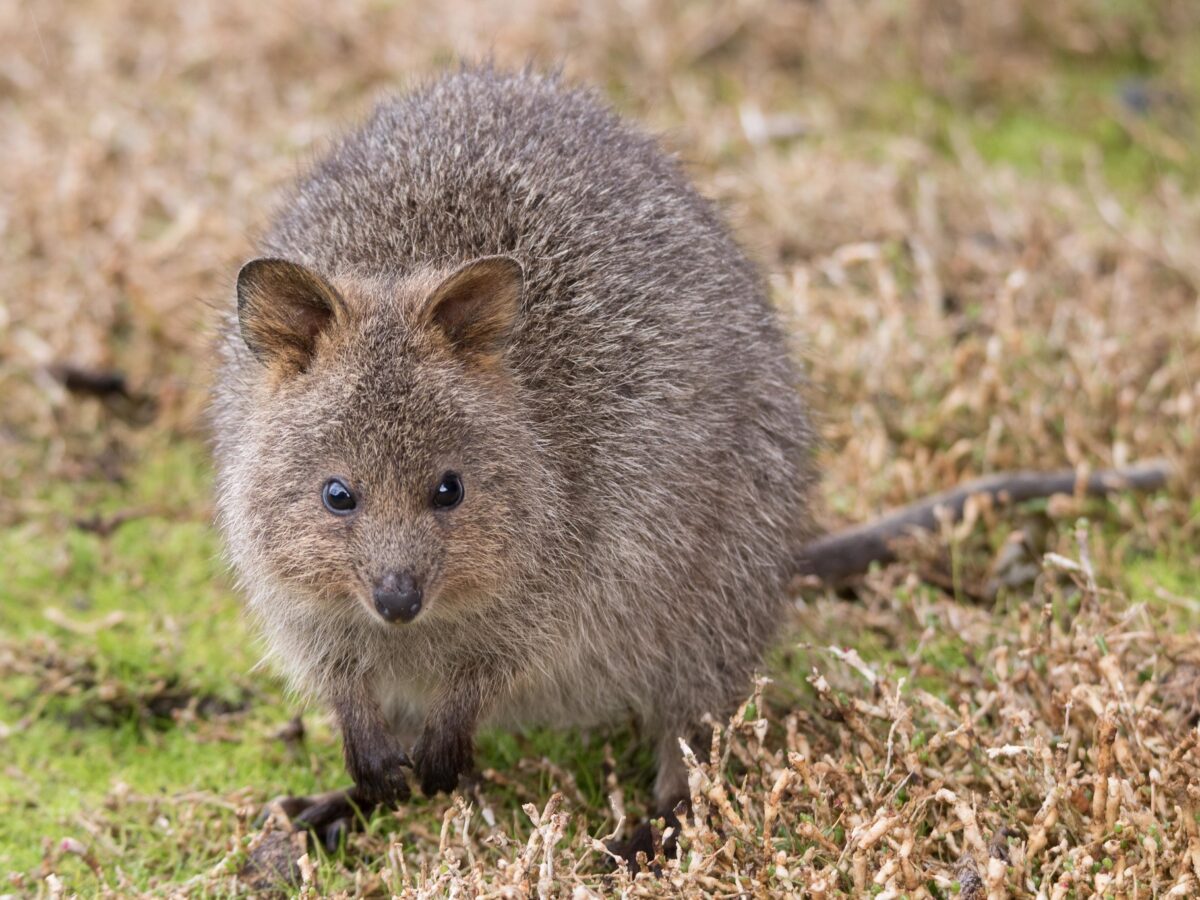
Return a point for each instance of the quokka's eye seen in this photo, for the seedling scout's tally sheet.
(449, 492)
(339, 499)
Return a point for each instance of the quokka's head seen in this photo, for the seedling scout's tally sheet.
(384, 460)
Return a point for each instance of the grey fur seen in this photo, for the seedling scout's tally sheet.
(637, 468)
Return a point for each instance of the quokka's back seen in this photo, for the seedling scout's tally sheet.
(508, 434)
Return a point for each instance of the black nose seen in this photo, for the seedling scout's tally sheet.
(397, 597)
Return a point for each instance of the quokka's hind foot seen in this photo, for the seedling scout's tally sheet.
(327, 817)
(650, 840)
(670, 799)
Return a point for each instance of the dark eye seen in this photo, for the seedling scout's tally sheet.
(339, 499)
(449, 492)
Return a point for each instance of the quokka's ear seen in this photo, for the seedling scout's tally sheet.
(283, 308)
(475, 306)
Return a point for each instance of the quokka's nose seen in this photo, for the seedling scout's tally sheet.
(398, 597)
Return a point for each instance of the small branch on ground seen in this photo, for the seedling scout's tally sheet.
(94, 382)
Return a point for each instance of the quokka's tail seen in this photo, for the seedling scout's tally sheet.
(843, 554)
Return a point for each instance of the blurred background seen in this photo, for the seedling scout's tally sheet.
(980, 220)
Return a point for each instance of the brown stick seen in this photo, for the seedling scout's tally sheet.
(95, 382)
(850, 552)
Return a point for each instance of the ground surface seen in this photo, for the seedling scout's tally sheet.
(982, 222)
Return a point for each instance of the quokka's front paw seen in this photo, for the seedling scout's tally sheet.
(440, 758)
(377, 767)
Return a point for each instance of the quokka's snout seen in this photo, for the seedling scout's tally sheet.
(397, 597)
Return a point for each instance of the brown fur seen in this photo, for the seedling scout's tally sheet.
(530, 294)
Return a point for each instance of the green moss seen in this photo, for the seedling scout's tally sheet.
(108, 634)
(1167, 580)
(1052, 125)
